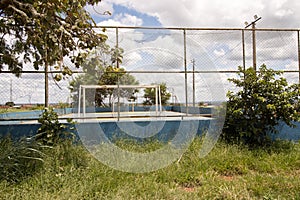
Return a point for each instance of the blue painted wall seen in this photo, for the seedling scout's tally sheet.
(17, 129)
(288, 133)
(112, 130)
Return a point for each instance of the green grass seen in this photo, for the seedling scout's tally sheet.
(228, 172)
(11, 109)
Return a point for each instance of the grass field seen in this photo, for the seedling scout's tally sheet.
(12, 109)
(228, 172)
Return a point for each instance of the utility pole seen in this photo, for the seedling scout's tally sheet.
(194, 97)
(253, 23)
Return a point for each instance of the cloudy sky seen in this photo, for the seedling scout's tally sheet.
(199, 13)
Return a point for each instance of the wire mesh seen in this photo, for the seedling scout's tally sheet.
(189, 61)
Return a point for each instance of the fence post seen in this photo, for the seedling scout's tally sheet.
(298, 36)
(253, 23)
(243, 45)
(46, 81)
(254, 45)
(194, 89)
(117, 49)
(185, 71)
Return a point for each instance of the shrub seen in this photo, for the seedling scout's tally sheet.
(264, 100)
(51, 130)
(10, 104)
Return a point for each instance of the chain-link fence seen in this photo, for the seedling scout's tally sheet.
(190, 61)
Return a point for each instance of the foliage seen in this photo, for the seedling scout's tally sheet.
(44, 32)
(19, 159)
(149, 94)
(10, 103)
(113, 76)
(101, 68)
(51, 131)
(265, 99)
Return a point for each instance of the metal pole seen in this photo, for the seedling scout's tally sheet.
(298, 35)
(83, 104)
(185, 72)
(159, 93)
(156, 101)
(253, 38)
(244, 54)
(254, 46)
(194, 96)
(79, 100)
(46, 80)
(117, 49)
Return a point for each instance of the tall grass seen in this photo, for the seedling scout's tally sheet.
(228, 172)
(19, 159)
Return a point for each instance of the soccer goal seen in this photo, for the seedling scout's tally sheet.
(82, 95)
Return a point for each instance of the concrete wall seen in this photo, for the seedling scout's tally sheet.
(18, 128)
(112, 130)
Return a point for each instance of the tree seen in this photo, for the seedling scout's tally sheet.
(149, 95)
(44, 32)
(101, 69)
(111, 76)
(264, 100)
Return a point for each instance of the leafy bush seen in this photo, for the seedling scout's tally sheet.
(10, 104)
(264, 100)
(51, 130)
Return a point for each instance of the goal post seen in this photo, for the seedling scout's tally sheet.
(82, 95)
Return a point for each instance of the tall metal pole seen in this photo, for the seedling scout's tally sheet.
(117, 49)
(253, 38)
(185, 72)
(298, 34)
(194, 96)
(254, 46)
(244, 54)
(46, 80)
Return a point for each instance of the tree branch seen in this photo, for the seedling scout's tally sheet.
(23, 14)
(22, 8)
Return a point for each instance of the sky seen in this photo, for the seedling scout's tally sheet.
(163, 50)
(198, 13)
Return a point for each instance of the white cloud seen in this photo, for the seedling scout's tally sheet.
(292, 66)
(122, 19)
(130, 20)
(219, 52)
(283, 12)
(131, 58)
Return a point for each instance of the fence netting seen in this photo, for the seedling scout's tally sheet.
(193, 63)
